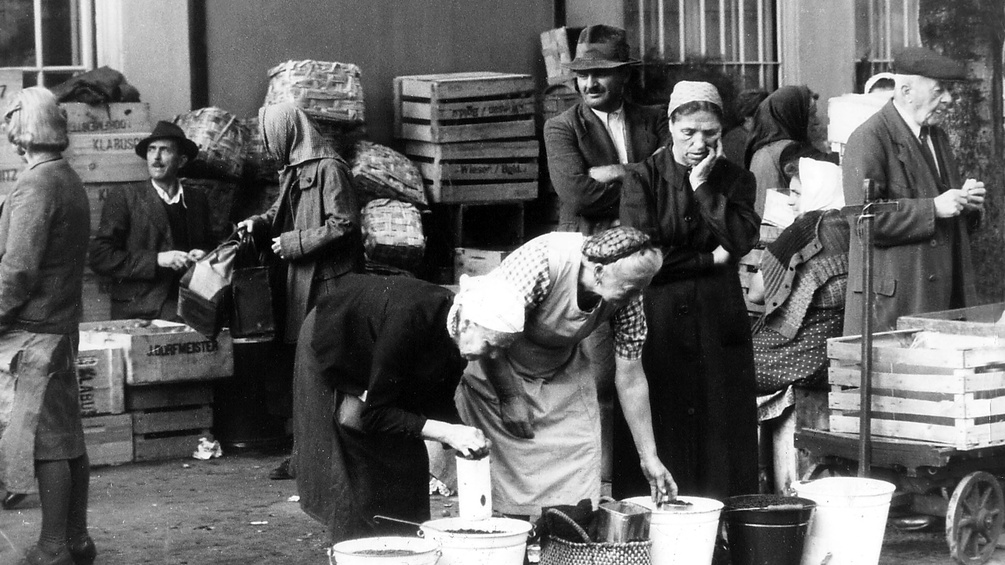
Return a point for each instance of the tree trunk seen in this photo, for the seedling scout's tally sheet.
(972, 31)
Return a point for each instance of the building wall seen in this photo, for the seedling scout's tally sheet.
(815, 51)
(386, 38)
(580, 13)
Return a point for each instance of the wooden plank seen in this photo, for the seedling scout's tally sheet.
(453, 193)
(468, 132)
(107, 157)
(975, 320)
(171, 447)
(109, 439)
(474, 171)
(921, 382)
(950, 407)
(115, 117)
(168, 396)
(172, 420)
(909, 430)
(894, 347)
(465, 85)
(101, 379)
(476, 110)
(474, 150)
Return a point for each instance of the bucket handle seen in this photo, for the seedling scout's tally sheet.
(569, 521)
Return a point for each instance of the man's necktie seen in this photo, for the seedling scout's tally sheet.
(938, 169)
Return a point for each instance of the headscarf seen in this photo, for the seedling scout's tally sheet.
(687, 91)
(291, 136)
(822, 189)
(784, 114)
(491, 302)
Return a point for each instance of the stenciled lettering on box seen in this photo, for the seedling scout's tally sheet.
(183, 348)
(98, 126)
(87, 372)
(115, 143)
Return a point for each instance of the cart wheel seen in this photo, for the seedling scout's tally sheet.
(975, 518)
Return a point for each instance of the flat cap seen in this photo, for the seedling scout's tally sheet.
(614, 244)
(927, 63)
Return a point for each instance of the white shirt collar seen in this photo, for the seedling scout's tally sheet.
(616, 114)
(909, 119)
(179, 196)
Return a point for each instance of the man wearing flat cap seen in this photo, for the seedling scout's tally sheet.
(151, 231)
(922, 250)
(589, 144)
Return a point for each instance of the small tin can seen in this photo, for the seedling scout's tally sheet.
(622, 521)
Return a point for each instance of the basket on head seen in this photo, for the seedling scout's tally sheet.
(222, 141)
(392, 233)
(381, 172)
(324, 90)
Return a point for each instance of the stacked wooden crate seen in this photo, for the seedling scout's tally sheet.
(108, 430)
(473, 137)
(751, 263)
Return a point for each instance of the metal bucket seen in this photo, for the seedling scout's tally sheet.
(623, 521)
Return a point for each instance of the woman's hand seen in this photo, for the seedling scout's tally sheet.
(466, 440)
(661, 483)
(720, 256)
(699, 174)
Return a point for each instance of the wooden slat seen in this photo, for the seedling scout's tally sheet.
(167, 396)
(481, 109)
(107, 118)
(949, 407)
(173, 447)
(912, 430)
(172, 420)
(893, 347)
(975, 320)
(468, 171)
(107, 157)
(473, 151)
(454, 193)
(468, 132)
(950, 384)
(464, 85)
(109, 439)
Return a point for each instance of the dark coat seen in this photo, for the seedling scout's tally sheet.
(44, 226)
(387, 336)
(134, 228)
(698, 355)
(920, 263)
(577, 140)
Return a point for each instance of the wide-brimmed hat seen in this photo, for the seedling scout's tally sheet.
(167, 130)
(601, 47)
(927, 63)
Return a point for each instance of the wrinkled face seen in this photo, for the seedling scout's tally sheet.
(694, 136)
(164, 160)
(795, 194)
(618, 287)
(602, 89)
(476, 342)
(929, 100)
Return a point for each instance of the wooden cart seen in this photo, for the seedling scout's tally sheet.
(937, 421)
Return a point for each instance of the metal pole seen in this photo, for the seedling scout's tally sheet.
(865, 388)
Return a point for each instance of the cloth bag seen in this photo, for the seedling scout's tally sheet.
(202, 295)
(253, 314)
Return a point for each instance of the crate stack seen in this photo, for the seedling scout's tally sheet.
(473, 138)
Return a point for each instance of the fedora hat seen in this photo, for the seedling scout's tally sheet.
(601, 47)
(167, 130)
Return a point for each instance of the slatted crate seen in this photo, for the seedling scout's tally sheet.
(946, 390)
(558, 47)
(168, 420)
(109, 439)
(485, 171)
(101, 378)
(453, 107)
(751, 263)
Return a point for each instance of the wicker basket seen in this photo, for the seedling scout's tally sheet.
(557, 551)
(382, 172)
(222, 140)
(324, 90)
(259, 163)
(392, 233)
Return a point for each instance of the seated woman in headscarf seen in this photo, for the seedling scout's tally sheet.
(801, 282)
(788, 116)
(537, 401)
(377, 363)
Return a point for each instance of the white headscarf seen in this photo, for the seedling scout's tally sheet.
(822, 189)
(491, 302)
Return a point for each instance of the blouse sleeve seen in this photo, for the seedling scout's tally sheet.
(630, 330)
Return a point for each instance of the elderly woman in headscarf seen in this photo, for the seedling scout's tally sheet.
(788, 116)
(377, 364)
(801, 282)
(698, 207)
(314, 228)
(537, 401)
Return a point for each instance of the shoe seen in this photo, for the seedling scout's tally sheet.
(282, 472)
(38, 556)
(12, 499)
(82, 550)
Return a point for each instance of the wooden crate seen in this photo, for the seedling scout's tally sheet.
(168, 420)
(976, 320)
(158, 352)
(487, 171)
(558, 99)
(109, 439)
(474, 262)
(107, 157)
(101, 377)
(452, 107)
(558, 47)
(116, 117)
(952, 395)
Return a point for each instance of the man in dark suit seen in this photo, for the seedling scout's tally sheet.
(922, 250)
(150, 232)
(589, 144)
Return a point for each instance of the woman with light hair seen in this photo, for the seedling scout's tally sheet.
(44, 226)
(537, 400)
(384, 355)
(699, 209)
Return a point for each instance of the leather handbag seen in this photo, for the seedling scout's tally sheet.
(349, 412)
(252, 315)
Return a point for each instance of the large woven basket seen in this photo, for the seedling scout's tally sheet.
(381, 172)
(324, 90)
(558, 551)
(259, 163)
(392, 233)
(222, 141)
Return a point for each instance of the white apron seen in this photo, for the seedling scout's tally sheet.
(561, 463)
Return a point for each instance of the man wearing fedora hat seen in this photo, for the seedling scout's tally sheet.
(151, 231)
(589, 144)
(922, 250)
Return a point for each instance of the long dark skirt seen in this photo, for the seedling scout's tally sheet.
(699, 363)
(345, 477)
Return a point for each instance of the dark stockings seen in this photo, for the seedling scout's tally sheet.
(62, 491)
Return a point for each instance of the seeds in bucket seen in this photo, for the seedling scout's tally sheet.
(386, 552)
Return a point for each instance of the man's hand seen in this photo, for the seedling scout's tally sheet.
(699, 174)
(196, 254)
(176, 260)
(720, 256)
(950, 203)
(661, 483)
(607, 173)
(975, 192)
(516, 416)
(277, 248)
(247, 225)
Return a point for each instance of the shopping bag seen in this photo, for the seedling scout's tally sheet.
(203, 292)
(252, 315)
